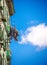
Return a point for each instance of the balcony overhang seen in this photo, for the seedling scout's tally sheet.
(10, 7)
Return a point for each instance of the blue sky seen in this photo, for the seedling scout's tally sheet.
(28, 13)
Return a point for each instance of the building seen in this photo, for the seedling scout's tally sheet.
(6, 10)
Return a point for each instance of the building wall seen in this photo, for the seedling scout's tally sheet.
(3, 24)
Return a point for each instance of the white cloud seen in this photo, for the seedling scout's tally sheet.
(36, 35)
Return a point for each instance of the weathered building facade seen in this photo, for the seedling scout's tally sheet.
(6, 10)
